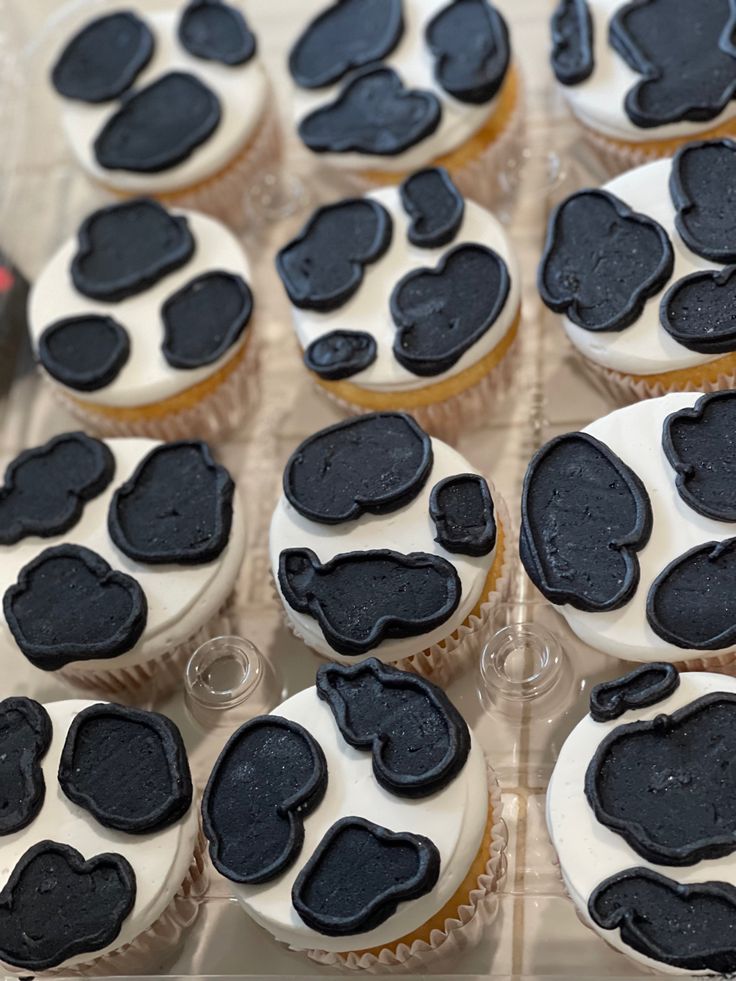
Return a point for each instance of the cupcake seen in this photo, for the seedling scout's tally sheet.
(642, 78)
(637, 271)
(629, 529)
(170, 103)
(142, 324)
(99, 842)
(114, 559)
(392, 850)
(387, 543)
(407, 298)
(383, 89)
(640, 812)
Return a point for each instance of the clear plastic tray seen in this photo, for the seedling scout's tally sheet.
(42, 199)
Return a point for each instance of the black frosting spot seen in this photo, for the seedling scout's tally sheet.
(369, 464)
(176, 508)
(700, 444)
(341, 354)
(56, 906)
(470, 44)
(461, 507)
(69, 605)
(215, 31)
(127, 248)
(689, 603)
(46, 487)
(666, 784)
(418, 739)
(584, 515)
(127, 767)
(360, 599)
(435, 206)
(640, 688)
(572, 42)
(332, 899)
(269, 776)
(25, 736)
(440, 313)
(349, 34)
(602, 261)
(373, 114)
(86, 352)
(159, 126)
(324, 266)
(687, 926)
(698, 311)
(703, 189)
(685, 51)
(103, 59)
(205, 318)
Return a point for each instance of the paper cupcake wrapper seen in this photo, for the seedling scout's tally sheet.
(460, 932)
(719, 663)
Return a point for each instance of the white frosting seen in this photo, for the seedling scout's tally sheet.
(414, 63)
(645, 348)
(369, 310)
(599, 101)
(410, 529)
(589, 852)
(160, 860)
(635, 435)
(453, 818)
(241, 90)
(146, 377)
(180, 598)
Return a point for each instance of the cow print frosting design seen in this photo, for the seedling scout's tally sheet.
(85, 353)
(462, 510)
(703, 189)
(216, 31)
(469, 72)
(25, 736)
(341, 354)
(638, 689)
(572, 56)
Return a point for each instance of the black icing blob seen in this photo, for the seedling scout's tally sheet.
(215, 31)
(640, 688)
(46, 488)
(703, 189)
(372, 464)
(700, 444)
(349, 34)
(56, 905)
(470, 44)
(690, 926)
(127, 248)
(25, 736)
(103, 59)
(584, 515)
(360, 599)
(159, 126)
(418, 739)
(461, 507)
(685, 51)
(698, 311)
(106, 741)
(689, 603)
(204, 318)
(341, 354)
(176, 508)
(69, 605)
(572, 42)
(393, 868)
(269, 776)
(435, 206)
(602, 261)
(667, 785)
(86, 352)
(374, 114)
(324, 265)
(440, 313)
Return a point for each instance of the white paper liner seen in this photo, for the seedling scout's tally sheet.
(461, 932)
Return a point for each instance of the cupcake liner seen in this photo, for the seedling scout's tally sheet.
(460, 932)
(719, 663)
